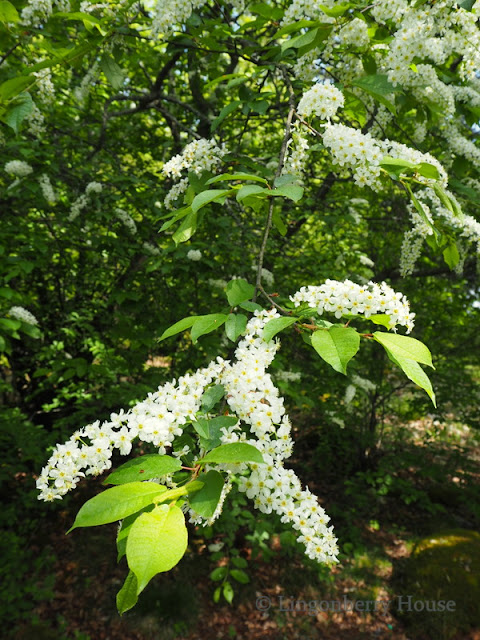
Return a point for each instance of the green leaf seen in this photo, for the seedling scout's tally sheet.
(235, 326)
(447, 202)
(337, 346)
(404, 347)
(144, 468)
(127, 596)
(186, 230)
(239, 562)
(292, 191)
(210, 431)
(10, 324)
(228, 592)
(451, 255)
(250, 190)
(157, 542)
(250, 306)
(278, 223)
(225, 177)
(117, 503)
(18, 110)
(178, 327)
(14, 86)
(207, 324)
(428, 170)
(218, 573)
(205, 501)
(378, 86)
(382, 319)
(212, 396)
(239, 291)
(233, 453)
(414, 372)
(419, 207)
(8, 13)
(239, 576)
(112, 71)
(337, 10)
(274, 326)
(224, 113)
(210, 195)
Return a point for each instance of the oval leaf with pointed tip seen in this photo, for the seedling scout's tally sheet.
(404, 347)
(337, 346)
(415, 373)
(205, 501)
(274, 326)
(235, 326)
(233, 453)
(207, 324)
(127, 596)
(144, 468)
(179, 326)
(157, 542)
(117, 503)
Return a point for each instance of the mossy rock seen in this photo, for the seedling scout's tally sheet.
(445, 566)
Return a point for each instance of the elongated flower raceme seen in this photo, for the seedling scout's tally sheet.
(347, 298)
(250, 395)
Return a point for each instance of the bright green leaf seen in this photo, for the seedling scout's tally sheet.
(337, 346)
(210, 195)
(127, 596)
(233, 453)
(178, 327)
(207, 324)
(144, 468)
(414, 372)
(404, 347)
(274, 326)
(117, 503)
(238, 291)
(157, 542)
(205, 501)
(212, 396)
(235, 326)
(8, 13)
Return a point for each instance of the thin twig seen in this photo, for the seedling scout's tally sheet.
(285, 312)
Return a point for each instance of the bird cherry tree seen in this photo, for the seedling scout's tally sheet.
(247, 122)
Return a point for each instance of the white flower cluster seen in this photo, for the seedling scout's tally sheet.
(322, 100)
(47, 189)
(18, 168)
(127, 220)
(151, 249)
(38, 11)
(175, 192)
(157, 419)
(170, 13)
(288, 376)
(194, 254)
(352, 148)
(161, 417)
(363, 154)
(198, 156)
(349, 298)
(252, 396)
(355, 33)
(22, 314)
(82, 201)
